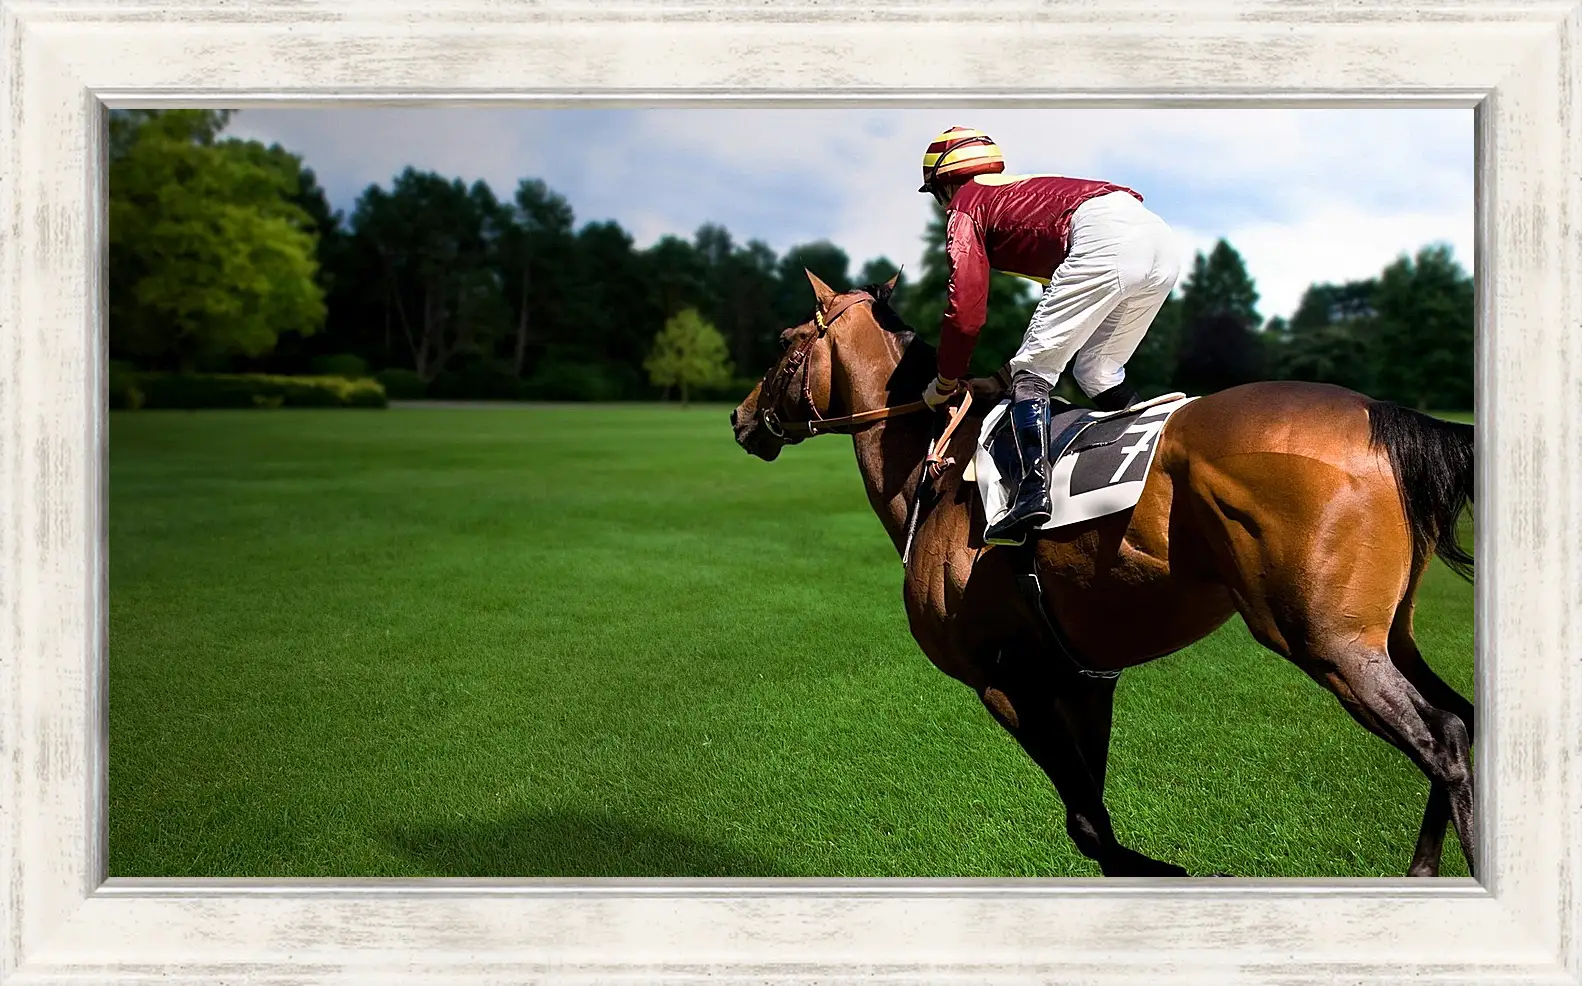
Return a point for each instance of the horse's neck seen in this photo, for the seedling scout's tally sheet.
(889, 455)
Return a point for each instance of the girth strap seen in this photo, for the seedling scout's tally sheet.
(1025, 568)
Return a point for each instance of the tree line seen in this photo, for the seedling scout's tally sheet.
(226, 256)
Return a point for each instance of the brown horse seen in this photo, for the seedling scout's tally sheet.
(1309, 509)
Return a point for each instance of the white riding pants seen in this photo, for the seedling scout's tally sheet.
(1121, 265)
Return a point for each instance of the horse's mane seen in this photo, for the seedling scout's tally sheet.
(917, 366)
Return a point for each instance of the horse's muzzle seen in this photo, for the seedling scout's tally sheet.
(754, 438)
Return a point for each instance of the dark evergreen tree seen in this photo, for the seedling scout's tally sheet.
(1219, 344)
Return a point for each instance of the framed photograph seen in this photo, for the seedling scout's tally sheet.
(529, 674)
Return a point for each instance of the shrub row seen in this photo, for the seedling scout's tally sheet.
(551, 381)
(190, 391)
(352, 386)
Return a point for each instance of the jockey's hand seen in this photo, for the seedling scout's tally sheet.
(940, 391)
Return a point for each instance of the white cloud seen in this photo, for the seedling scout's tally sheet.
(1304, 195)
(1345, 244)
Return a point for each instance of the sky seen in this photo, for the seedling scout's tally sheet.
(1305, 195)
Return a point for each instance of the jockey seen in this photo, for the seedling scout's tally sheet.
(1108, 265)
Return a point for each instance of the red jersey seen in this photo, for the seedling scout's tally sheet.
(1018, 224)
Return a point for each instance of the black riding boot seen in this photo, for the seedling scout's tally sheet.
(1031, 509)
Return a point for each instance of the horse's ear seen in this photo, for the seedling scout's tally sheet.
(822, 291)
(889, 287)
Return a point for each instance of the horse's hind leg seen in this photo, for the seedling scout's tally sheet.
(1410, 661)
(1375, 691)
(1321, 569)
(1437, 812)
(1063, 723)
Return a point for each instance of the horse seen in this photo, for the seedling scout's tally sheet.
(1308, 509)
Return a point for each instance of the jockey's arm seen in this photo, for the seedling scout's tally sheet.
(967, 295)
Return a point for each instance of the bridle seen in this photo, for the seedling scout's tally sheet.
(777, 388)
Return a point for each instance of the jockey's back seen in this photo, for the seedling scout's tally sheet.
(1023, 221)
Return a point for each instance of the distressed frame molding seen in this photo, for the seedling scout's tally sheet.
(63, 62)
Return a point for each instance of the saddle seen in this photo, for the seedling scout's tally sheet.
(1065, 422)
(1098, 460)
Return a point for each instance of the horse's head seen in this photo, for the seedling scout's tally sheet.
(848, 350)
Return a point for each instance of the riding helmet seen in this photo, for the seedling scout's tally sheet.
(960, 152)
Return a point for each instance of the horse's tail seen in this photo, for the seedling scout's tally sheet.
(1433, 462)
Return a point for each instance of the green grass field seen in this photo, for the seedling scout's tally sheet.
(605, 641)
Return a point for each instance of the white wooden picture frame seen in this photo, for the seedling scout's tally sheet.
(64, 61)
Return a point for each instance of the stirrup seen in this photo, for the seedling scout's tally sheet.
(1004, 538)
(1011, 530)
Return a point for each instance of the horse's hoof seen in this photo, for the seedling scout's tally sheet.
(1137, 864)
(1170, 870)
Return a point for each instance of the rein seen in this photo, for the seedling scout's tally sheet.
(829, 426)
(934, 466)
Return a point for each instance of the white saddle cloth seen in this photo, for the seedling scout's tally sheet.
(1102, 471)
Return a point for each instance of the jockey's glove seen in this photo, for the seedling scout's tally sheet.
(939, 392)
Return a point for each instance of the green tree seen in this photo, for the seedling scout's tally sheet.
(210, 256)
(339, 336)
(1331, 338)
(744, 284)
(434, 243)
(1219, 284)
(535, 245)
(204, 126)
(794, 301)
(616, 319)
(678, 276)
(1406, 335)
(1425, 311)
(1330, 304)
(687, 353)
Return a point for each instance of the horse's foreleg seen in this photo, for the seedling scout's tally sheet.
(1068, 736)
(1086, 706)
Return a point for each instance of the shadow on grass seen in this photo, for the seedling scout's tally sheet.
(572, 844)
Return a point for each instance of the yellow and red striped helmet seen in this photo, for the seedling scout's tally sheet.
(960, 152)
